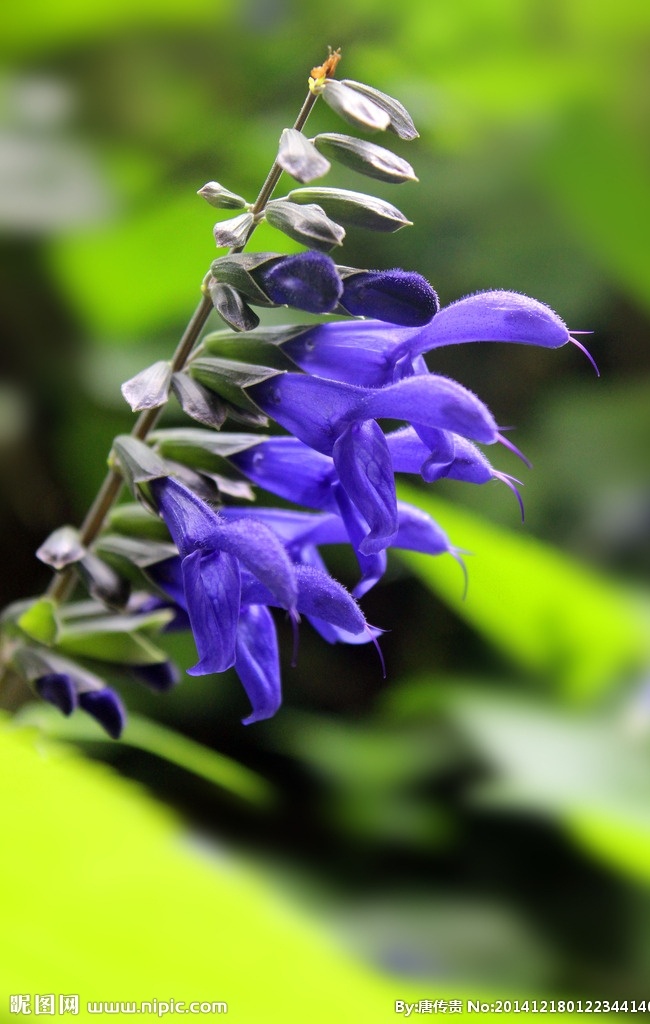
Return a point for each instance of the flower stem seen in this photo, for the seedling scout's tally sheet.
(63, 583)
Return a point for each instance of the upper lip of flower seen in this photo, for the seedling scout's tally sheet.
(317, 410)
(375, 353)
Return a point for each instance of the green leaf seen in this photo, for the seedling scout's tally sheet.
(118, 647)
(39, 621)
(139, 462)
(119, 639)
(549, 614)
(132, 897)
(167, 744)
(222, 445)
(353, 208)
(253, 349)
(238, 268)
(139, 551)
(590, 772)
(199, 403)
(134, 520)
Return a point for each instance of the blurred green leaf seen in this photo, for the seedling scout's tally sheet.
(41, 25)
(610, 206)
(550, 614)
(139, 273)
(145, 734)
(39, 621)
(116, 639)
(102, 888)
(591, 772)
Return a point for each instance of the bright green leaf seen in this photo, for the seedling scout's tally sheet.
(550, 614)
(39, 621)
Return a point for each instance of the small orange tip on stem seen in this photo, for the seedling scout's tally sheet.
(328, 67)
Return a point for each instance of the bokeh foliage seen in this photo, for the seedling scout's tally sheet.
(481, 818)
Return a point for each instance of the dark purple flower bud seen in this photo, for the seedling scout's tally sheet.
(395, 296)
(106, 708)
(308, 280)
(58, 689)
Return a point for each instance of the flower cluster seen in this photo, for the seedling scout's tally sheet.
(337, 462)
(208, 561)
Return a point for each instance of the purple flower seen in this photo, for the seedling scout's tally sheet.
(303, 533)
(374, 354)
(339, 419)
(212, 552)
(57, 688)
(230, 569)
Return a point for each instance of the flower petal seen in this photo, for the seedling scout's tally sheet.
(57, 688)
(365, 469)
(351, 351)
(289, 468)
(257, 662)
(322, 597)
(309, 407)
(189, 520)
(493, 316)
(419, 532)
(319, 596)
(432, 401)
(212, 593)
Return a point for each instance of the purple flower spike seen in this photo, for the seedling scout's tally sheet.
(58, 688)
(308, 281)
(396, 296)
(106, 708)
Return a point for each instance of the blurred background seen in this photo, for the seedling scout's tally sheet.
(482, 815)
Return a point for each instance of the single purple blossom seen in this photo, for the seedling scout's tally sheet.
(230, 569)
(375, 354)
(212, 552)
